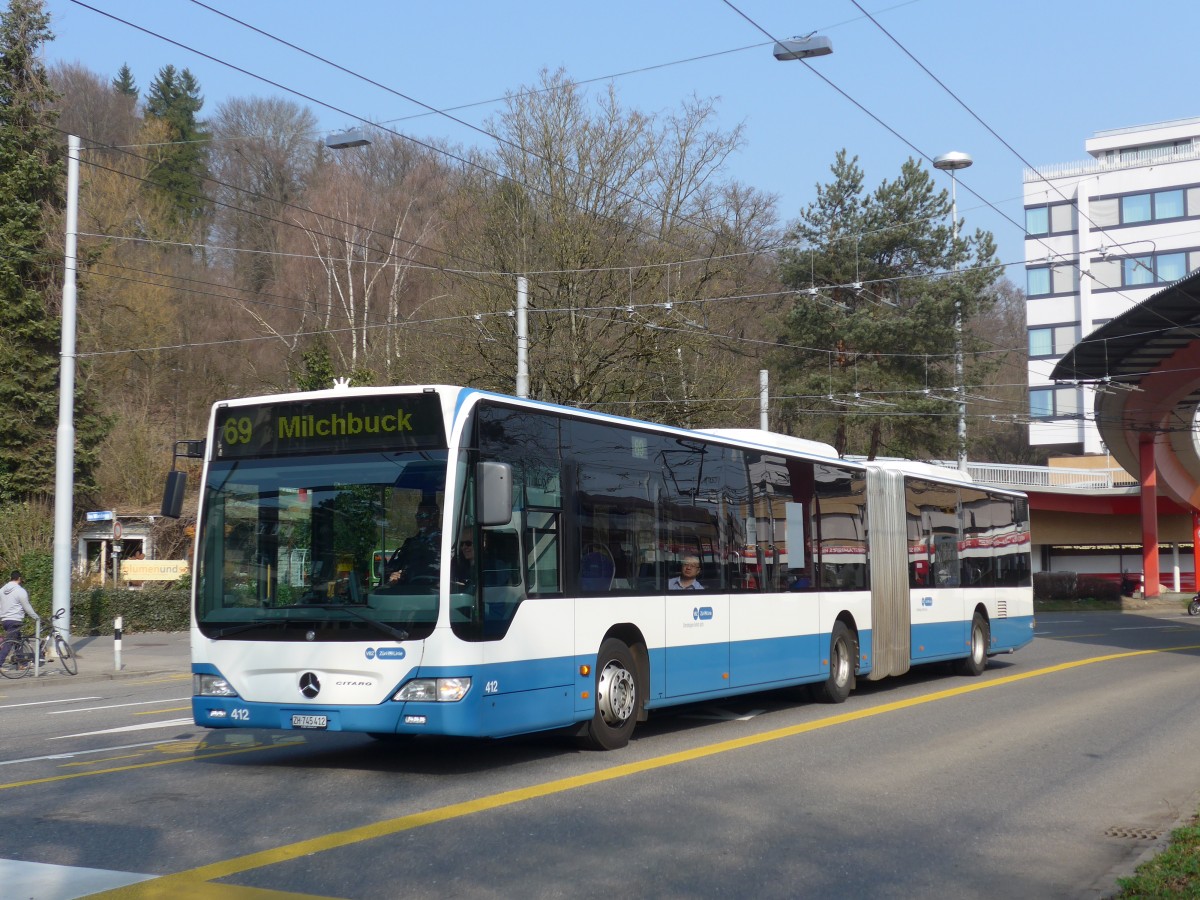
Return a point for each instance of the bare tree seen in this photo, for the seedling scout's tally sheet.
(633, 244)
(359, 253)
(92, 108)
(263, 152)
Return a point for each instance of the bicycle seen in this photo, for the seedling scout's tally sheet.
(18, 653)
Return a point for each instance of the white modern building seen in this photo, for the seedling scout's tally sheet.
(1102, 235)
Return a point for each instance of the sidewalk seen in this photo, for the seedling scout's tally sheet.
(153, 653)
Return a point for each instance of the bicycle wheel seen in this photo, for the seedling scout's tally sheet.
(18, 658)
(65, 655)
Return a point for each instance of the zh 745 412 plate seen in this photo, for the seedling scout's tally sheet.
(301, 721)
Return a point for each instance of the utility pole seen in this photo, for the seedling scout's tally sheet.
(64, 457)
(522, 336)
(951, 162)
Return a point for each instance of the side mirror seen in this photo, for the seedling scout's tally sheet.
(172, 502)
(493, 493)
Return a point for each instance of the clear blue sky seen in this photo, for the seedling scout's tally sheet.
(1042, 74)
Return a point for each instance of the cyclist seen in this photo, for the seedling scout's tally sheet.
(14, 607)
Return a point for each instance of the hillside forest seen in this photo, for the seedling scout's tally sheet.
(224, 251)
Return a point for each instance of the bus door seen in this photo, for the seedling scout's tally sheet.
(697, 626)
(937, 628)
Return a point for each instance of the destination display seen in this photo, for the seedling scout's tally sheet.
(330, 425)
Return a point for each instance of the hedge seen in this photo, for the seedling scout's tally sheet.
(153, 608)
(1072, 586)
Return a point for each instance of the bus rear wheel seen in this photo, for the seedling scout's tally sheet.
(842, 656)
(981, 638)
(618, 700)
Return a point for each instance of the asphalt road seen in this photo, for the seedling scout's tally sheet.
(1045, 777)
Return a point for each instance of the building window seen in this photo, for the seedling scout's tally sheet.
(1054, 402)
(1138, 270)
(1041, 403)
(1153, 268)
(1173, 203)
(1063, 218)
(1041, 341)
(1037, 281)
(1052, 218)
(1169, 205)
(1171, 266)
(1052, 340)
(1037, 221)
(1135, 208)
(1064, 279)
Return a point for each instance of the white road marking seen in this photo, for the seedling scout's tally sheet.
(72, 755)
(44, 702)
(169, 723)
(47, 882)
(60, 712)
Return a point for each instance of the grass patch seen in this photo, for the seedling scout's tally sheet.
(1173, 873)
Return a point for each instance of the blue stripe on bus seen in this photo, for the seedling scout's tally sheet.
(538, 695)
(1012, 633)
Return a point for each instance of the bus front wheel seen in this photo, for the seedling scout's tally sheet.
(617, 699)
(981, 638)
(843, 654)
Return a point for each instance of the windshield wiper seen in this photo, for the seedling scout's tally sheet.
(247, 626)
(353, 608)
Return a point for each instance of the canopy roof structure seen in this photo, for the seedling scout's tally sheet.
(1145, 368)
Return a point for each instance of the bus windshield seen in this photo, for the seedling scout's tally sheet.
(347, 546)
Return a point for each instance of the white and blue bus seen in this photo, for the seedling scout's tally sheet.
(549, 537)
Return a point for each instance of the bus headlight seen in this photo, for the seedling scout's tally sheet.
(434, 690)
(212, 686)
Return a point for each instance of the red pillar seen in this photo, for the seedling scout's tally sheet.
(1149, 480)
(1196, 550)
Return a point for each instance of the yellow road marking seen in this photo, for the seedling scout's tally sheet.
(187, 883)
(155, 712)
(97, 762)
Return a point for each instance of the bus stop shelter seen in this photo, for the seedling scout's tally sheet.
(1144, 366)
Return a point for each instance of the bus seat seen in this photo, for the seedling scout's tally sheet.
(596, 570)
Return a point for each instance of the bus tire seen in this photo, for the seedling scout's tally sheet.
(981, 639)
(842, 656)
(618, 699)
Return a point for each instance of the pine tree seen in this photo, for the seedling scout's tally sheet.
(876, 282)
(174, 99)
(31, 185)
(124, 83)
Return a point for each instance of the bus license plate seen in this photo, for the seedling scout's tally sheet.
(299, 721)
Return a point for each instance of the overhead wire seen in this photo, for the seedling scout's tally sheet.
(284, 88)
(1074, 203)
(468, 163)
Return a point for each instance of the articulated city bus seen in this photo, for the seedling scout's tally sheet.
(442, 560)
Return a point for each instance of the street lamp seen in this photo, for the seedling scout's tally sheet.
(803, 47)
(346, 139)
(951, 162)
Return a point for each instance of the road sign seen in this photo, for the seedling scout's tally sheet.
(116, 531)
(104, 515)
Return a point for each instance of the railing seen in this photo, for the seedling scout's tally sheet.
(1050, 477)
(1106, 164)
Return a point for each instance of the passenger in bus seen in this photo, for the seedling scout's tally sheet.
(800, 580)
(686, 580)
(419, 557)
